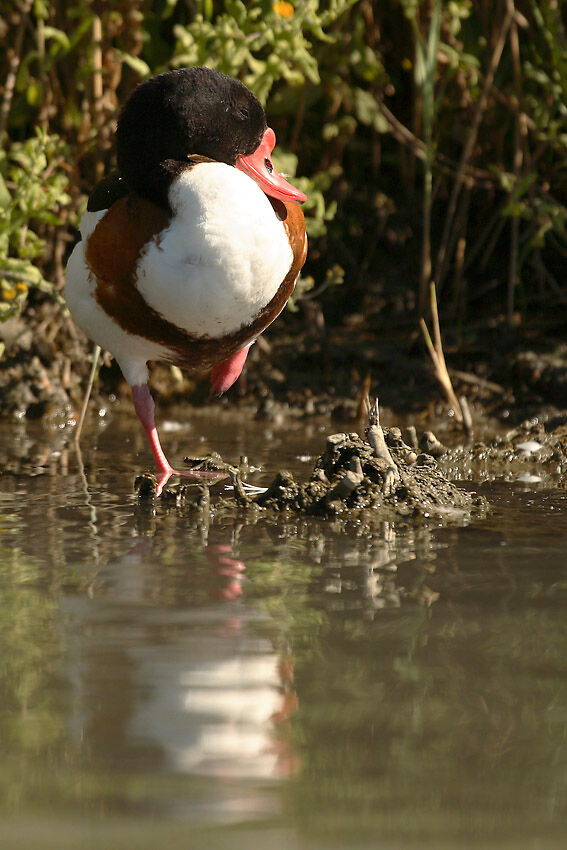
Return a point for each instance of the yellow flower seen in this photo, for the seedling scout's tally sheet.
(284, 9)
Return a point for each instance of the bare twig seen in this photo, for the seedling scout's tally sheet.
(240, 493)
(475, 380)
(14, 58)
(375, 437)
(435, 348)
(519, 131)
(443, 256)
(92, 375)
(466, 414)
(442, 163)
(457, 244)
(363, 406)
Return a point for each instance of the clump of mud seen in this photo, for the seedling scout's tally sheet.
(380, 474)
(349, 478)
(536, 446)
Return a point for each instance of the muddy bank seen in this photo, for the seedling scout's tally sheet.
(303, 366)
(388, 474)
(535, 450)
(384, 474)
(299, 371)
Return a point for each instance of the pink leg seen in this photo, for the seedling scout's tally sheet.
(226, 373)
(144, 405)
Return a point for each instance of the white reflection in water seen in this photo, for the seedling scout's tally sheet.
(211, 708)
(186, 690)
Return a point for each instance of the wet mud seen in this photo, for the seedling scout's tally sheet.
(387, 474)
(295, 375)
(534, 450)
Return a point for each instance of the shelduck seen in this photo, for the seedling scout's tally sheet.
(193, 247)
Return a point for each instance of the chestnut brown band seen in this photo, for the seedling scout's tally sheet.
(113, 252)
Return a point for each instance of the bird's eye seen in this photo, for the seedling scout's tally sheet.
(243, 111)
(268, 164)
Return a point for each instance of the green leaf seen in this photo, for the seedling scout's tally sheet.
(367, 110)
(58, 36)
(34, 93)
(138, 65)
(5, 196)
(523, 184)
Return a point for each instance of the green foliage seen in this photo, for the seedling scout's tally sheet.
(63, 84)
(534, 197)
(491, 113)
(267, 48)
(262, 47)
(32, 194)
(28, 722)
(334, 276)
(325, 70)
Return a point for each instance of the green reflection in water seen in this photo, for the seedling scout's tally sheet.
(452, 725)
(405, 716)
(32, 723)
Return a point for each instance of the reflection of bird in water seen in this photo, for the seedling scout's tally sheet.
(195, 690)
(193, 249)
(214, 702)
(227, 571)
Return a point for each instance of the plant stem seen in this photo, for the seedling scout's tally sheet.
(14, 59)
(518, 163)
(443, 255)
(435, 348)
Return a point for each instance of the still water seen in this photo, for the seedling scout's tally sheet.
(208, 681)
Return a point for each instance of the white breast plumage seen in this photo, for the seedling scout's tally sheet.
(223, 256)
